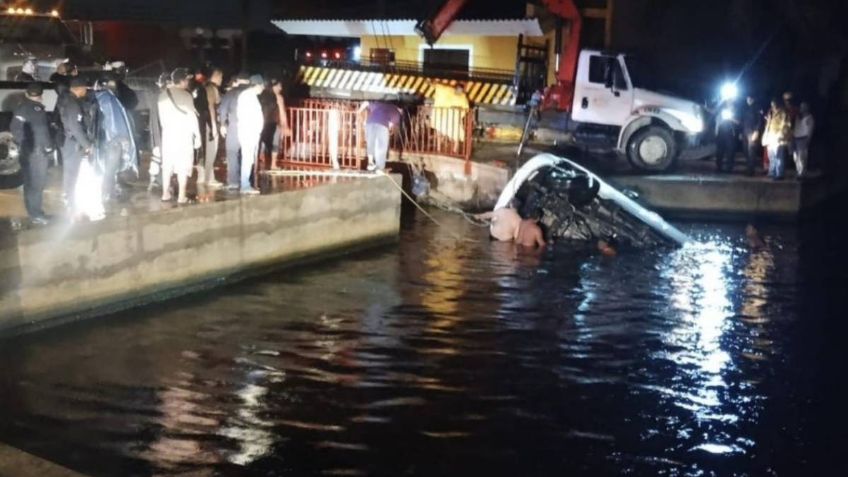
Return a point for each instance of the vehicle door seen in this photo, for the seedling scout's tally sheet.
(603, 93)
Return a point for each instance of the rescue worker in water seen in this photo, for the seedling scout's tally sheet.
(506, 226)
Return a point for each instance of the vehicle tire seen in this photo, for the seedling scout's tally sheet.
(652, 149)
(10, 166)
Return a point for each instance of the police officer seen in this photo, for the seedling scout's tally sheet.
(32, 132)
(78, 139)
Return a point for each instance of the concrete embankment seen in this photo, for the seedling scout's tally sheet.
(714, 196)
(64, 272)
(469, 185)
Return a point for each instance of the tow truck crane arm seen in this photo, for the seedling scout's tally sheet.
(559, 95)
(431, 28)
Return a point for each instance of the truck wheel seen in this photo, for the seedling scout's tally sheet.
(652, 149)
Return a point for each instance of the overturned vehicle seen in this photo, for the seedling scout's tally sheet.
(573, 204)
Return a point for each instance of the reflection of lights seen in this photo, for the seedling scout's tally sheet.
(248, 428)
(727, 114)
(698, 276)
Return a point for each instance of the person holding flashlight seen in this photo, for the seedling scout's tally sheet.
(726, 126)
(752, 125)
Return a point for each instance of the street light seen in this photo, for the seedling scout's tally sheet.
(729, 91)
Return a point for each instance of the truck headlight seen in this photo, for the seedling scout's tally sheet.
(693, 123)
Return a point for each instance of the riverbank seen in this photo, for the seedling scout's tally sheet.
(149, 251)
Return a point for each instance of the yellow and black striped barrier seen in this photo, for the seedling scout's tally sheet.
(479, 92)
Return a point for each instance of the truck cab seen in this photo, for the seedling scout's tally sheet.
(652, 128)
(43, 37)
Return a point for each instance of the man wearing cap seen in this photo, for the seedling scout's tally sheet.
(78, 142)
(180, 134)
(251, 120)
(32, 132)
(229, 128)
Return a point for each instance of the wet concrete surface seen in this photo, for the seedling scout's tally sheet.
(139, 200)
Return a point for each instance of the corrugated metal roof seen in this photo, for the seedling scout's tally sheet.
(405, 27)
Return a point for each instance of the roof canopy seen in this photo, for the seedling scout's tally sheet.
(358, 28)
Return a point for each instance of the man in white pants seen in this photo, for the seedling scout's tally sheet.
(251, 121)
(180, 134)
(804, 126)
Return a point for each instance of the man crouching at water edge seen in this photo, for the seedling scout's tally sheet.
(507, 226)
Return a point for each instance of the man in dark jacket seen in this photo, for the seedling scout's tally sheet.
(752, 126)
(32, 132)
(116, 142)
(229, 129)
(78, 139)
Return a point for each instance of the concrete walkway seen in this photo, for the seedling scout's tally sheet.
(17, 463)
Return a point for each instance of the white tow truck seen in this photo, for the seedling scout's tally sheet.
(596, 100)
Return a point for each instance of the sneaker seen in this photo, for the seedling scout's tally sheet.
(372, 167)
(39, 221)
(233, 188)
(250, 191)
(214, 184)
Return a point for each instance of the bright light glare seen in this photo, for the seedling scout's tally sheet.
(357, 53)
(729, 91)
(727, 114)
(87, 194)
(28, 11)
(55, 13)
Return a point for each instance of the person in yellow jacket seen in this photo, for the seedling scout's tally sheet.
(777, 139)
(450, 108)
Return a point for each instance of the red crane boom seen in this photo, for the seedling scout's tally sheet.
(560, 95)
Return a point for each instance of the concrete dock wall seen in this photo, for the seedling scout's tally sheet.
(475, 188)
(712, 197)
(79, 270)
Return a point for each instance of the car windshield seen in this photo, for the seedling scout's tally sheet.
(29, 29)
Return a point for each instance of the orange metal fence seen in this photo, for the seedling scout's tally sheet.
(321, 138)
(327, 134)
(443, 131)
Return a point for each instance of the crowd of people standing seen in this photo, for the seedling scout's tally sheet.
(93, 135)
(194, 118)
(769, 138)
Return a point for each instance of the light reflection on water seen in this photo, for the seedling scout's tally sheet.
(435, 358)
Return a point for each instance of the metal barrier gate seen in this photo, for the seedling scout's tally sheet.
(331, 134)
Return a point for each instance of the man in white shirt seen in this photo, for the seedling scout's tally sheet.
(804, 126)
(251, 121)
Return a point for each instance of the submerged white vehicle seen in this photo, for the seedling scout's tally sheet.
(572, 203)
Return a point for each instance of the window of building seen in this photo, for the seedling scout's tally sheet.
(436, 60)
(382, 56)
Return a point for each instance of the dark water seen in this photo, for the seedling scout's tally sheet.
(442, 358)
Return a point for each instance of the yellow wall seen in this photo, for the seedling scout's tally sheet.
(486, 51)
